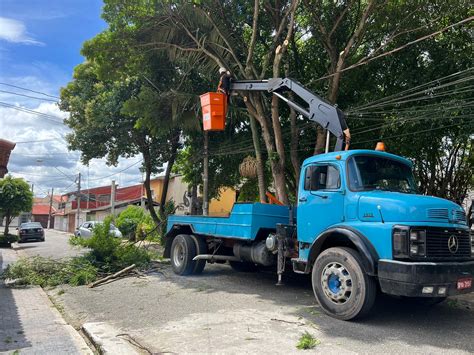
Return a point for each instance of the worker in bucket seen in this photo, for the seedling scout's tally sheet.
(224, 85)
(224, 81)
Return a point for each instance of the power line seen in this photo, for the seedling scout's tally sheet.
(26, 89)
(43, 115)
(118, 172)
(38, 141)
(28, 96)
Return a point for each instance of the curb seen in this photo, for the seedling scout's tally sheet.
(106, 339)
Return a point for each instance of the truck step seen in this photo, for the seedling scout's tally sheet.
(299, 266)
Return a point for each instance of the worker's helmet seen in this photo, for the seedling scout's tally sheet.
(222, 70)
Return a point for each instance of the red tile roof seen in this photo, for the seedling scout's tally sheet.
(42, 210)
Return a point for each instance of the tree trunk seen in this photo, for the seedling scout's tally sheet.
(277, 172)
(258, 156)
(7, 224)
(294, 146)
(149, 197)
(169, 167)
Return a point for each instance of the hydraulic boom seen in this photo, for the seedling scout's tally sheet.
(318, 109)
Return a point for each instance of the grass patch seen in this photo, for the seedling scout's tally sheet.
(307, 341)
(106, 255)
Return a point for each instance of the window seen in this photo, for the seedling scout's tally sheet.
(377, 173)
(322, 177)
(104, 198)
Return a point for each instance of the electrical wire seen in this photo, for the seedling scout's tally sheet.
(28, 96)
(43, 115)
(26, 89)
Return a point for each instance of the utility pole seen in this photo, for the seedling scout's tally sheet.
(78, 198)
(112, 199)
(205, 177)
(50, 207)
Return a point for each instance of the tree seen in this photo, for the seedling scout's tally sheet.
(15, 197)
(249, 38)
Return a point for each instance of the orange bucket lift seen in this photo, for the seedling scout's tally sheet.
(213, 106)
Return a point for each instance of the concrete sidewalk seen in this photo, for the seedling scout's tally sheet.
(30, 323)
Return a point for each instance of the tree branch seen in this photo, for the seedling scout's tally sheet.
(248, 63)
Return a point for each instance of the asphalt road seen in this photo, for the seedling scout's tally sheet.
(56, 245)
(223, 311)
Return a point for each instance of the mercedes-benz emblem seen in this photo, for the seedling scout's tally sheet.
(453, 244)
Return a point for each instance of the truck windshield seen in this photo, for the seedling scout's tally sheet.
(376, 173)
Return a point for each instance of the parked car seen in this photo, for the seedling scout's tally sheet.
(86, 228)
(30, 231)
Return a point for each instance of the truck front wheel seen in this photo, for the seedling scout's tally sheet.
(340, 284)
(183, 250)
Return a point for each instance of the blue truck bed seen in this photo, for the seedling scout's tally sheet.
(244, 221)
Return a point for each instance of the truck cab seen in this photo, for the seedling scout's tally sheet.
(359, 226)
(367, 201)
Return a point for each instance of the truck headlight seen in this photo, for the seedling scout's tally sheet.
(417, 242)
(408, 242)
(400, 241)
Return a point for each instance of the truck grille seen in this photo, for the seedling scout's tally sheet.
(438, 213)
(459, 216)
(438, 243)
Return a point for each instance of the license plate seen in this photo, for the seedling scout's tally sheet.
(464, 283)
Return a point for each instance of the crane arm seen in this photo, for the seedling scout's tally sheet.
(317, 109)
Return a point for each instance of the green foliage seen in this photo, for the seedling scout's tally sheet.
(307, 341)
(48, 272)
(249, 191)
(146, 229)
(7, 239)
(15, 197)
(106, 254)
(111, 253)
(129, 219)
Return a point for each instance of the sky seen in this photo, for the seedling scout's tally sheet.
(40, 44)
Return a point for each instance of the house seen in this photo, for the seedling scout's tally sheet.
(40, 213)
(95, 204)
(178, 189)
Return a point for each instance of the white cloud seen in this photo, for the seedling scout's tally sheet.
(14, 31)
(46, 161)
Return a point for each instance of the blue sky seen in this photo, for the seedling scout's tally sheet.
(40, 43)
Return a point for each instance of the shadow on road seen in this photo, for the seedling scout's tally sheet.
(11, 330)
(393, 320)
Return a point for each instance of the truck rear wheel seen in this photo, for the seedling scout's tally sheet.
(340, 284)
(183, 250)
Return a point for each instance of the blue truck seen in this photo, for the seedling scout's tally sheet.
(359, 228)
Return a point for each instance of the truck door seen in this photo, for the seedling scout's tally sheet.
(320, 200)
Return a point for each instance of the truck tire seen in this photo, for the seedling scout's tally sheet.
(201, 248)
(183, 250)
(340, 284)
(243, 266)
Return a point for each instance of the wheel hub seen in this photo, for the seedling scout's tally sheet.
(336, 282)
(178, 255)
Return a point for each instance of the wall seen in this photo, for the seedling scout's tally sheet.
(224, 204)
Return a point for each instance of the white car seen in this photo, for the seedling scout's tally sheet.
(86, 228)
